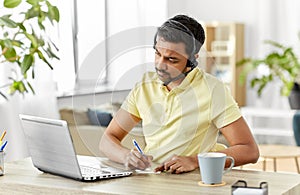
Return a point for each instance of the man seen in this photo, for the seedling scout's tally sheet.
(181, 107)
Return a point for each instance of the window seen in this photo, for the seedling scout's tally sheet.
(93, 51)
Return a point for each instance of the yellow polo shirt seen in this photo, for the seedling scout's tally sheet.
(185, 120)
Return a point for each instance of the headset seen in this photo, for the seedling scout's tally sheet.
(192, 62)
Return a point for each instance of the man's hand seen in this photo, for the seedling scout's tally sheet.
(179, 164)
(135, 160)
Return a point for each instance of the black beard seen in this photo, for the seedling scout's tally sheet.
(170, 79)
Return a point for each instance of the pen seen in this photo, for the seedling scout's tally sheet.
(3, 146)
(137, 146)
(2, 136)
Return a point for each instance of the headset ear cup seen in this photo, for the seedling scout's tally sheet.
(192, 63)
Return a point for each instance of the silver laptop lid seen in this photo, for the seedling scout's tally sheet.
(50, 146)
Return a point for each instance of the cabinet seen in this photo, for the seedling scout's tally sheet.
(222, 49)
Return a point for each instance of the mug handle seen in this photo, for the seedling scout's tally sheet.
(231, 165)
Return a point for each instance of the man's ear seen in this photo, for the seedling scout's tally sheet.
(196, 55)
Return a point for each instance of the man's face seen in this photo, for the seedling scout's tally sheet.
(170, 59)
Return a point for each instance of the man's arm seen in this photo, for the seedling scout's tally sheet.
(243, 147)
(110, 143)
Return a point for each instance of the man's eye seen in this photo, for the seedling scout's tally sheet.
(173, 60)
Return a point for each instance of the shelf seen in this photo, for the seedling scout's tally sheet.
(224, 44)
(218, 54)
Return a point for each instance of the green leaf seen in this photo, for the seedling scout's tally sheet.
(41, 56)
(17, 86)
(21, 26)
(33, 12)
(26, 63)
(50, 53)
(285, 91)
(53, 44)
(41, 25)
(254, 82)
(8, 43)
(22, 87)
(33, 2)
(6, 21)
(274, 43)
(10, 55)
(53, 13)
(33, 39)
(12, 89)
(243, 62)
(41, 42)
(17, 43)
(31, 88)
(41, 19)
(56, 14)
(11, 3)
(261, 87)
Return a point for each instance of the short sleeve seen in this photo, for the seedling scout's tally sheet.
(130, 103)
(224, 108)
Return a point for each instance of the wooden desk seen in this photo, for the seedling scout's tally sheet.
(22, 178)
(275, 152)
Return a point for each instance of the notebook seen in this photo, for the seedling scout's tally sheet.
(51, 149)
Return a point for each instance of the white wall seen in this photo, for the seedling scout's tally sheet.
(43, 104)
(131, 27)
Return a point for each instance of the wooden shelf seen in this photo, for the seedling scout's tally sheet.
(225, 45)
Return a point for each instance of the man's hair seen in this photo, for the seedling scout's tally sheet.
(182, 28)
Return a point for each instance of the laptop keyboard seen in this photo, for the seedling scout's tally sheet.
(86, 170)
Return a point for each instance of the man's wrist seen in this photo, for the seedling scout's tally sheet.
(195, 161)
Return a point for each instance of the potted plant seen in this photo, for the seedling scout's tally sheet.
(24, 40)
(283, 64)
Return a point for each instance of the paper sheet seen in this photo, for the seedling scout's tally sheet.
(106, 164)
(146, 171)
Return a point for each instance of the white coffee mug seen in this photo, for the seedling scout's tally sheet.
(211, 166)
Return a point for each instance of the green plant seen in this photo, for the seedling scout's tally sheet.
(23, 40)
(282, 64)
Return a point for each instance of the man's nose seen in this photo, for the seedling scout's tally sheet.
(160, 64)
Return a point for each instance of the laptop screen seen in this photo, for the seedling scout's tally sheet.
(50, 146)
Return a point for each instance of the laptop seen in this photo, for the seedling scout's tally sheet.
(51, 149)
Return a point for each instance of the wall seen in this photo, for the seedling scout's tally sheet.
(43, 104)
